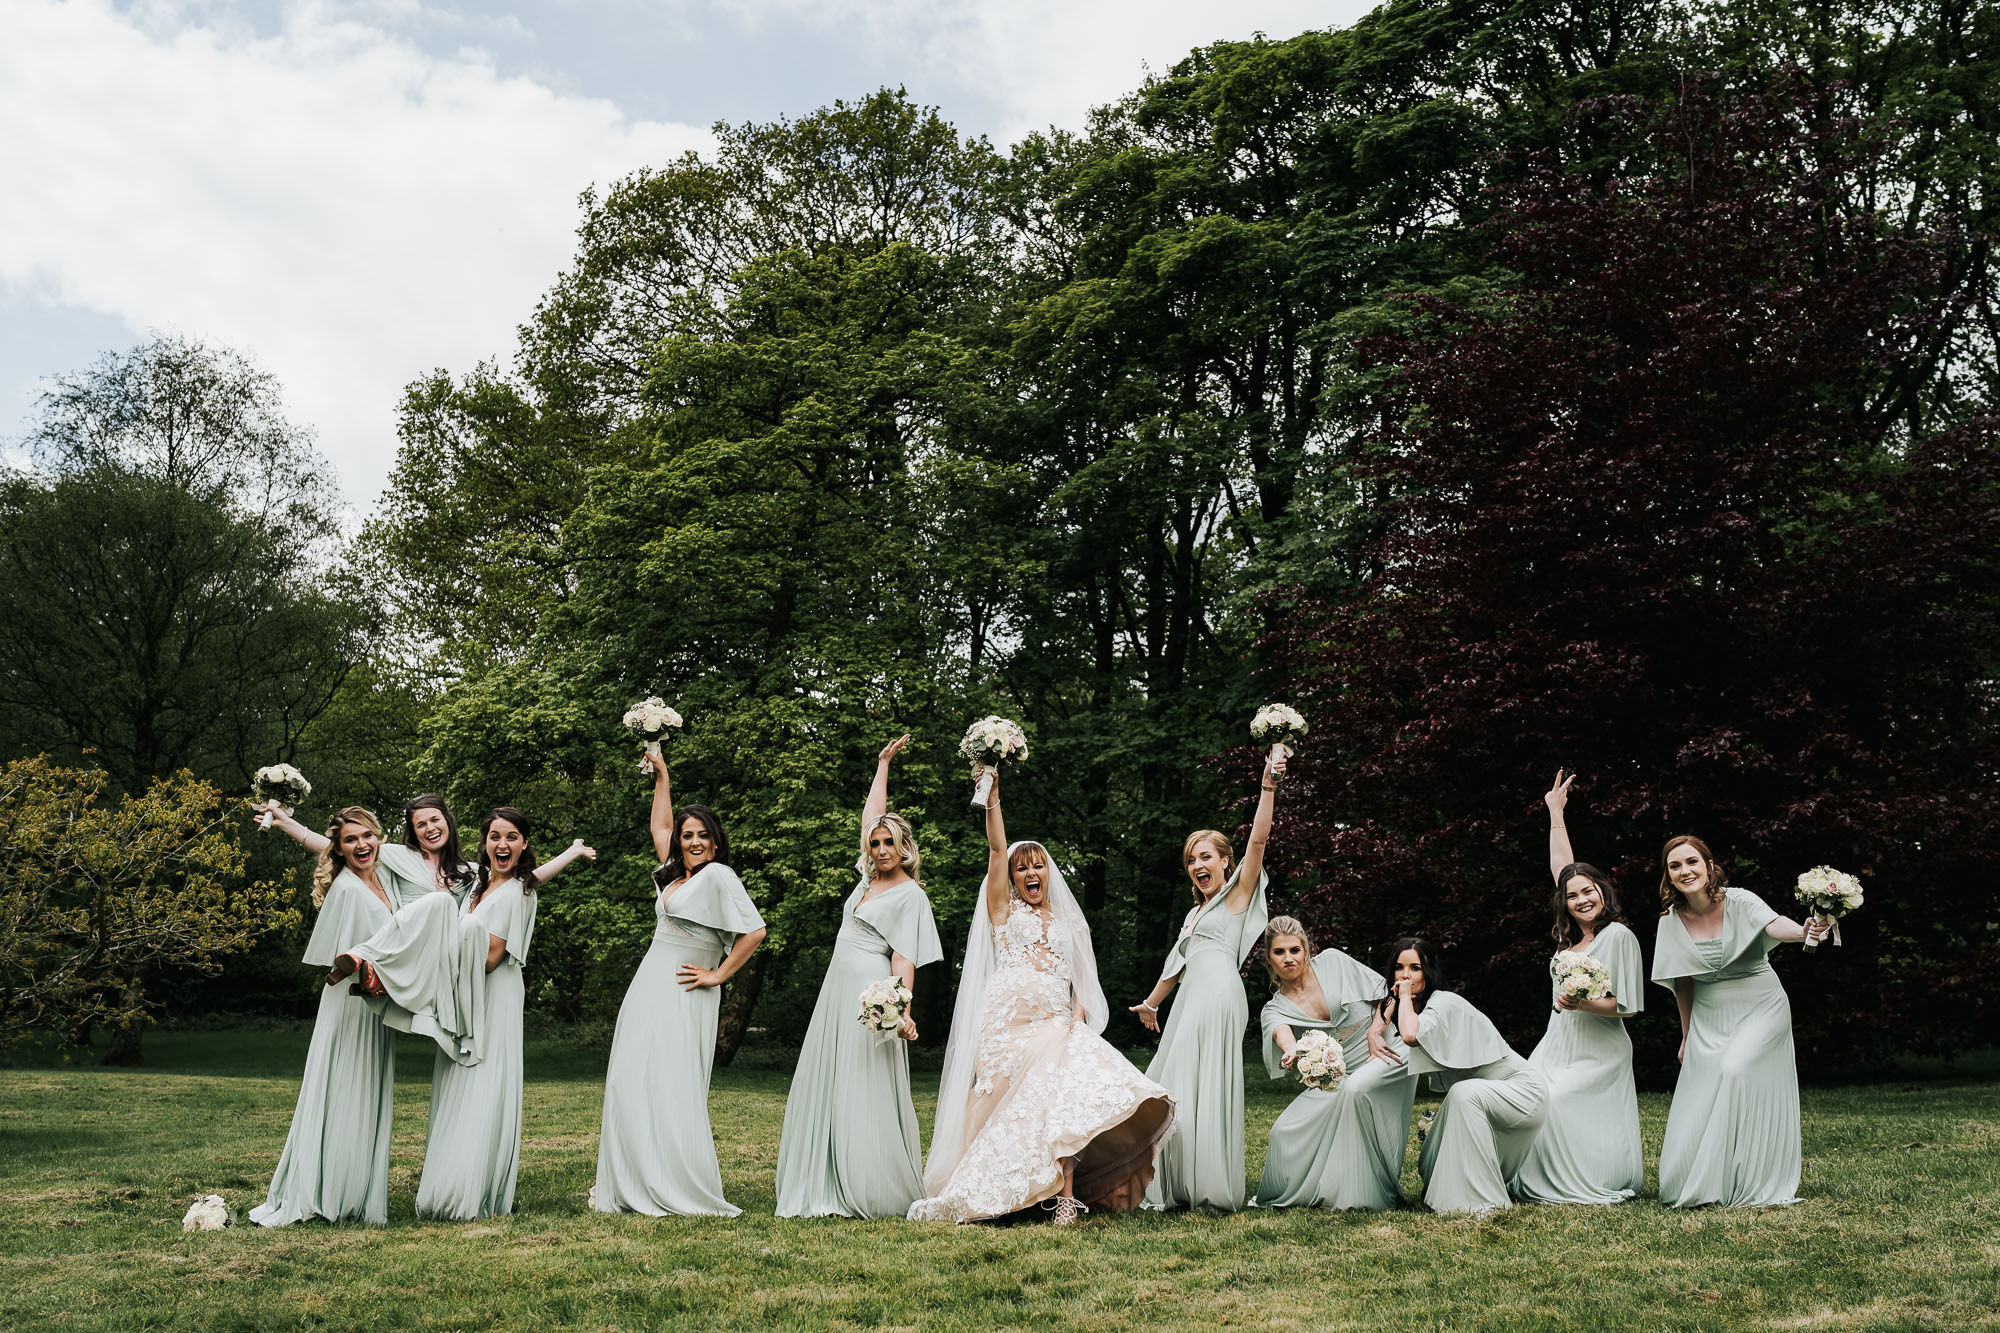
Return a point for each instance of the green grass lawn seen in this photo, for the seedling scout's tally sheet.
(1900, 1229)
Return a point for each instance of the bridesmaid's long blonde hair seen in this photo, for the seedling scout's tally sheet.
(1284, 925)
(330, 861)
(906, 847)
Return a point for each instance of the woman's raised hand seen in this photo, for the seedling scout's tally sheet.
(894, 748)
(1557, 795)
(587, 853)
(652, 761)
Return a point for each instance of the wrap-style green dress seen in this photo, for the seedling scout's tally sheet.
(1733, 1130)
(336, 1159)
(1589, 1149)
(1492, 1110)
(655, 1151)
(850, 1146)
(1200, 1058)
(1343, 1148)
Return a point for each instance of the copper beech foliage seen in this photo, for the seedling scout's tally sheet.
(98, 898)
(1661, 523)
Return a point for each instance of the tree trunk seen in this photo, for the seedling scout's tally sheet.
(124, 1044)
(734, 1020)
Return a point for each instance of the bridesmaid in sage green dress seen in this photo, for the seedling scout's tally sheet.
(655, 1151)
(336, 1159)
(1496, 1100)
(850, 1145)
(1200, 1059)
(1341, 1148)
(1733, 1130)
(1589, 1149)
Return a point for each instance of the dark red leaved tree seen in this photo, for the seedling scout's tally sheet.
(1661, 525)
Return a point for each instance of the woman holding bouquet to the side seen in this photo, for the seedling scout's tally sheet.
(1496, 1101)
(1589, 1149)
(1200, 1059)
(335, 1164)
(850, 1145)
(1340, 1147)
(1733, 1130)
(655, 1152)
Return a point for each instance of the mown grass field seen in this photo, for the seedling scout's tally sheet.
(1900, 1229)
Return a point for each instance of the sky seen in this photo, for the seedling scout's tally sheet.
(356, 194)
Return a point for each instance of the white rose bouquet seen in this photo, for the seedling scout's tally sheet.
(986, 743)
(1829, 895)
(1318, 1061)
(210, 1213)
(281, 783)
(652, 719)
(884, 1006)
(1277, 725)
(1581, 977)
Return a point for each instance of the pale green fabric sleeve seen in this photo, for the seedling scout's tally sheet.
(513, 919)
(714, 897)
(1249, 924)
(1452, 1035)
(902, 916)
(1744, 919)
(345, 919)
(1278, 1009)
(409, 874)
(1618, 949)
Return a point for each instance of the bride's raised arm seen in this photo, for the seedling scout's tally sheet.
(996, 856)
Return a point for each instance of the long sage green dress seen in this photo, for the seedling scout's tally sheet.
(1344, 1148)
(1200, 1059)
(1733, 1131)
(1492, 1110)
(850, 1146)
(1589, 1149)
(655, 1151)
(336, 1159)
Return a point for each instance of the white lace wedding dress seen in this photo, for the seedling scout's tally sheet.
(1047, 1087)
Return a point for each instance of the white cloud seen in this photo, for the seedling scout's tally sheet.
(346, 209)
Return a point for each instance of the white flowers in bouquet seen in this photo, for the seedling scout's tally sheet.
(1277, 725)
(986, 743)
(884, 1006)
(1829, 895)
(210, 1213)
(1318, 1061)
(1581, 977)
(652, 718)
(281, 783)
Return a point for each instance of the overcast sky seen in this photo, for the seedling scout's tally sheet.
(356, 193)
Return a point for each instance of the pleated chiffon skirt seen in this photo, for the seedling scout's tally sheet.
(1200, 1064)
(1482, 1134)
(1344, 1148)
(655, 1150)
(336, 1159)
(472, 1157)
(1733, 1131)
(1589, 1149)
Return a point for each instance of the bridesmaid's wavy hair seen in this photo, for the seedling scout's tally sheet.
(1284, 925)
(1718, 879)
(451, 857)
(1217, 839)
(906, 847)
(331, 862)
(711, 823)
(1433, 970)
(524, 869)
(1613, 909)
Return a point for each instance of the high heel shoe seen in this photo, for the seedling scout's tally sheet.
(1066, 1210)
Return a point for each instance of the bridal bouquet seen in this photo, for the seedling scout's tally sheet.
(1829, 895)
(652, 719)
(884, 1006)
(1277, 725)
(210, 1213)
(1581, 977)
(1319, 1062)
(281, 783)
(986, 743)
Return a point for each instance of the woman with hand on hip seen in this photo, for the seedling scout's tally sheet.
(1589, 1149)
(655, 1151)
(1200, 1059)
(850, 1146)
(1733, 1130)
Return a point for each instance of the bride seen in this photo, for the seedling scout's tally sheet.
(1035, 1107)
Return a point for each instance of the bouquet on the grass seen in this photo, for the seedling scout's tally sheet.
(1277, 725)
(210, 1213)
(987, 742)
(1580, 977)
(1829, 895)
(652, 719)
(884, 1006)
(1318, 1061)
(281, 783)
